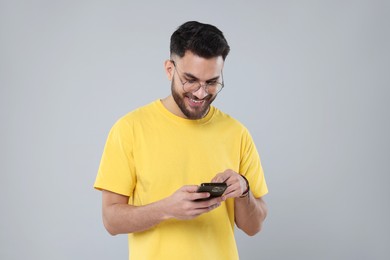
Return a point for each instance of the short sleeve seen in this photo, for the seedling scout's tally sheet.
(116, 171)
(250, 166)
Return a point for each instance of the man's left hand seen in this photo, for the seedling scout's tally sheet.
(235, 182)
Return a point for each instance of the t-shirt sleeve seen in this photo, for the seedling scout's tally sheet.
(250, 166)
(116, 171)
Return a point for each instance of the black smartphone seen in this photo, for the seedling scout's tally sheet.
(215, 189)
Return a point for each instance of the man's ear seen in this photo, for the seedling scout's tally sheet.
(169, 69)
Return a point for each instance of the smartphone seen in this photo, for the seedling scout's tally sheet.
(215, 189)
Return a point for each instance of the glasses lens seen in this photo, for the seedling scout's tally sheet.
(211, 88)
(191, 86)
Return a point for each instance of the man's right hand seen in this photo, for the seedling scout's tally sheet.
(121, 218)
(182, 204)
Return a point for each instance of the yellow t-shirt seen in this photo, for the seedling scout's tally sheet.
(150, 153)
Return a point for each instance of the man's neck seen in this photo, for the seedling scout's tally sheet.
(170, 104)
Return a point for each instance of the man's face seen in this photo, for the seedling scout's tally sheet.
(189, 68)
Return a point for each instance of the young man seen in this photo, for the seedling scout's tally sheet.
(156, 156)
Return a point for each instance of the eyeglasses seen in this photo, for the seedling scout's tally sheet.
(212, 87)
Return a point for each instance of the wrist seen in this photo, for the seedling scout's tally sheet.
(247, 190)
(163, 209)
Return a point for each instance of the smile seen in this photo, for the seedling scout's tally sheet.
(196, 101)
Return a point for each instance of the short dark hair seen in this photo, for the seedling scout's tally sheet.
(204, 40)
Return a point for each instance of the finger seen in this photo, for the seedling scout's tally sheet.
(217, 178)
(221, 177)
(214, 206)
(198, 195)
(205, 204)
(190, 188)
(232, 191)
(229, 195)
(198, 212)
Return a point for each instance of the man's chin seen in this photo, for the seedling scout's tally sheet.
(196, 113)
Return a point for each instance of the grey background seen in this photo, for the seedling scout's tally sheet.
(310, 79)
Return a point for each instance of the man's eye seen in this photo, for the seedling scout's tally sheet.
(191, 81)
(212, 83)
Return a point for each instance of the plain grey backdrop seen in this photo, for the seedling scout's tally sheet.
(310, 79)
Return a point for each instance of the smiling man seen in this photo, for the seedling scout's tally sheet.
(156, 157)
(191, 100)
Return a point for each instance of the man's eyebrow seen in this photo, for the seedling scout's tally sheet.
(189, 75)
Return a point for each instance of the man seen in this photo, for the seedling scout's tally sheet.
(157, 155)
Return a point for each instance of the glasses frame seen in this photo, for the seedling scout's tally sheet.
(204, 85)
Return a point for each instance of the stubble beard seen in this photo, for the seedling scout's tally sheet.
(188, 112)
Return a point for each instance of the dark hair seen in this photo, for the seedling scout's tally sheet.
(204, 40)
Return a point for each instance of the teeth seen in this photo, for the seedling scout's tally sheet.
(196, 101)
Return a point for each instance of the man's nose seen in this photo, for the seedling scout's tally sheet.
(201, 92)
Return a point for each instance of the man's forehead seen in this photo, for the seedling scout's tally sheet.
(199, 67)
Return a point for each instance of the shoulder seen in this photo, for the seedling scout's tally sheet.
(137, 116)
(228, 121)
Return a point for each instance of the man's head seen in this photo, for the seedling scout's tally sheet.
(198, 52)
(203, 40)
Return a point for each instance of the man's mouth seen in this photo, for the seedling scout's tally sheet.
(196, 100)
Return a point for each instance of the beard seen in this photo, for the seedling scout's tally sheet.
(192, 112)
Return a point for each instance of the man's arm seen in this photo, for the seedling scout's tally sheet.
(250, 212)
(120, 218)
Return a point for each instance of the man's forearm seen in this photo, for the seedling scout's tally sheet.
(121, 218)
(124, 218)
(250, 214)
